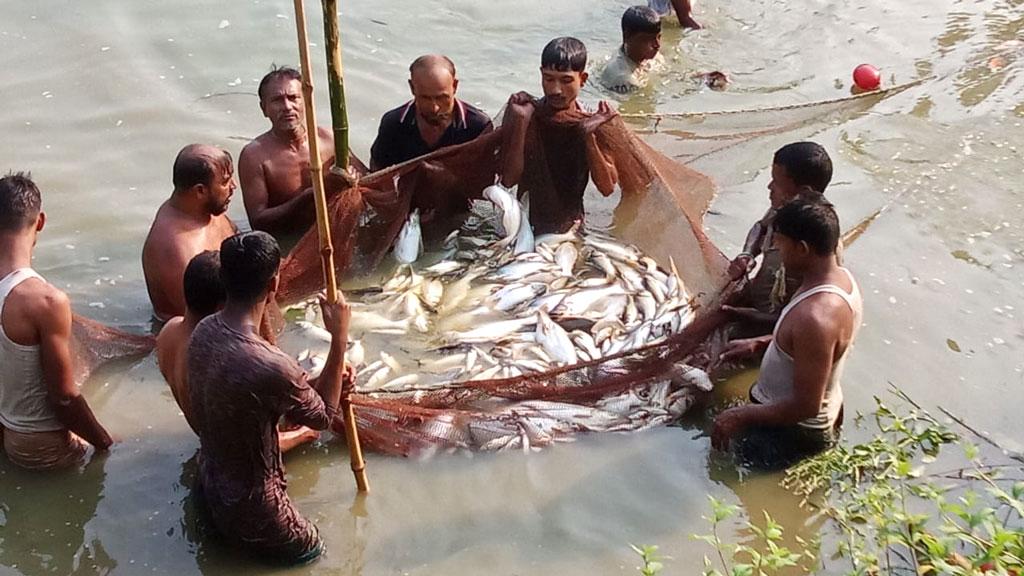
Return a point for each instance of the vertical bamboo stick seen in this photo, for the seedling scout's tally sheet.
(336, 83)
(324, 229)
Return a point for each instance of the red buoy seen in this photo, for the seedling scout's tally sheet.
(867, 77)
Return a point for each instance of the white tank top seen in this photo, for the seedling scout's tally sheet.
(775, 381)
(24, 406)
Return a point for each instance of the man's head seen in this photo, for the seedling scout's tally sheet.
(563, 69)
(207, 174)
(641, 33)
(806, 231)
(248, 266)
(281, 99)
(799, 168)
(21, 205)
(433, 83)
(204, 290)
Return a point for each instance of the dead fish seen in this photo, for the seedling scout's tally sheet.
(510, 210)
(356, 354)
(513, 295)
(565, 257)
(554, 339)
(555, 239)
(491, 332)
(410, 240)
(432, 291)
(402, 381)
(525, 242)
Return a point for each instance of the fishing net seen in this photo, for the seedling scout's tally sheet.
(94, 344)
(660, 211)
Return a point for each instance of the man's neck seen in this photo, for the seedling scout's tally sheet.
(189, 207)
(819, 272)
(294, 139)
(430, 133)
(243, 317)
(15, 252)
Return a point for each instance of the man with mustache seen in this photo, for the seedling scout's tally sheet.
(274, 168)
(193, 220)
(433, 119)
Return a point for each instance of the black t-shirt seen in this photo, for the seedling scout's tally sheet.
(398, 138)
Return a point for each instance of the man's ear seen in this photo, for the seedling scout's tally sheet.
(805, 248)
(40, 221)
(412, 89)
(199, 190)
(583, 78)
(275, 283)
(455, 85)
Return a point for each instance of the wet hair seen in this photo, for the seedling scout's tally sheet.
(565, 54)
(806, 163)
(640, 20)
(811, 220)
(278, 72)
(204, 290)
(247, 263)
(428, 61)
(20, 201)
(195, 164)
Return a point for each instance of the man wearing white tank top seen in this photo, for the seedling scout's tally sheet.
(796, 403)
(44, 421)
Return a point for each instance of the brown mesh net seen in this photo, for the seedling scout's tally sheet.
(661, 211)
(94, 344)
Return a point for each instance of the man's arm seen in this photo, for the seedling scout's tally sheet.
(255, 196)
(813, 348)
(164, 266)
(513, 147)
(380, 151)
(54, 326)
(332, 385)
(743, 262)
(684, 10)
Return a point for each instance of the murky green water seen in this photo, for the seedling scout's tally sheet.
(99, 96)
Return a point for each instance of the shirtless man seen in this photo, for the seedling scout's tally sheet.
(240, 387)
(45, 422)
(192, 220)
(204, 295)
(274, 168)
(797, 401)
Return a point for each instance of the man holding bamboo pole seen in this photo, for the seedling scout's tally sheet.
(274, 167)
(240, 387)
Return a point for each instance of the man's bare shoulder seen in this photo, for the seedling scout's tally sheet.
(172, 334)
(41, 301)
(258, 148)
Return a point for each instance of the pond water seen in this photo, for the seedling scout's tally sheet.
(100, 96)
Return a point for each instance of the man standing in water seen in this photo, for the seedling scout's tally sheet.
(274, 168)
(544, 149)
(204, 295)
(241, 386)
(192, 220)
(43, 416)
(433, 119)
(797, 401)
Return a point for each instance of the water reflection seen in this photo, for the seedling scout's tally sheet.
(43, 519)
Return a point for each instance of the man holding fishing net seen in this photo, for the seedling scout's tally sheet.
(797, 401)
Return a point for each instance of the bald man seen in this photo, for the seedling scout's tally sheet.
(433, 119)
(191, 221)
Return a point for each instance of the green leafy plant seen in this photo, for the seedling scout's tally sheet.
(890, 510)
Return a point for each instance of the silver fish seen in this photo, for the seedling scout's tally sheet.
(554, 339)
(491, 332)
(565, 257)
(555, 239)
(525, 242)
(510, 210)
(513, 295)
(410, 240)
(518, 270)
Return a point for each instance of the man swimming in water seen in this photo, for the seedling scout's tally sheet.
(545, 150)
(274, 168)
(204, 295)
(240, 387)
(192, 220)
(45, 421)
(797, 401)
(639, 55)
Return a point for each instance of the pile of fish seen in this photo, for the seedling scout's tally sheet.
(499, 303)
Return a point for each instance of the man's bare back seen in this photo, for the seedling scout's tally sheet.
(172, 242)
(172, 358)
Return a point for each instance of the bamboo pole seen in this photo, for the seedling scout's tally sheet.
(336, 84)
(324, 230)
